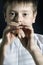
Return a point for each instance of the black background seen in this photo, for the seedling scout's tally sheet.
(38, 26)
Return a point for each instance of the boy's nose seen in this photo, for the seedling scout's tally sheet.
(18, 19)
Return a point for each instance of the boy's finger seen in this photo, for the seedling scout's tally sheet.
(10, 37)
(13, 24)
(21, 33)
(11, 30)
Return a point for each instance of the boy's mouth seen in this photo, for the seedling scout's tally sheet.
(14, 28)
(14, 24)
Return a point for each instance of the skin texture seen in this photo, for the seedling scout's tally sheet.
(19, 18)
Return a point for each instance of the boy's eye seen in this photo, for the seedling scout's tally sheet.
(12, 14)
(25, 14)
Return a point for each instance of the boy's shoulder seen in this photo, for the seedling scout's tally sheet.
(39, 41)
(39, 37)
(39, 34)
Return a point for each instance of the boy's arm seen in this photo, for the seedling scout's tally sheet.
(35, 51)
(37, 56)
(33, 48)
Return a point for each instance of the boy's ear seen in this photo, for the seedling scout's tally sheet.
(35, 14)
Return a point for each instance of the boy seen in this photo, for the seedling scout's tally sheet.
(18, 37)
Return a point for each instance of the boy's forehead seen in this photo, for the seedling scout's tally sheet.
(21, 6)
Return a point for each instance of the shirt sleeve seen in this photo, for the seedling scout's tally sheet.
(0, 41)
(39, 38)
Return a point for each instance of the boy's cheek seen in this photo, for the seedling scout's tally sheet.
(28, 22)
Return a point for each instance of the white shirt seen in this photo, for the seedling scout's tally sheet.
(16, 54)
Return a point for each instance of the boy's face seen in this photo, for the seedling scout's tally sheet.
(20, 13)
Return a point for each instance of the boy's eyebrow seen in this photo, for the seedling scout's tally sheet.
(13, 11)
(21, 10)
(24, 11)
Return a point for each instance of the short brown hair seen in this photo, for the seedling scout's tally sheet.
(7, 2)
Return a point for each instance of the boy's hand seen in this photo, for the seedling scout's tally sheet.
(9, 34)
(26, 35)
(31, 45)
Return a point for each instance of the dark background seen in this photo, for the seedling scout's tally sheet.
(38, 26)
